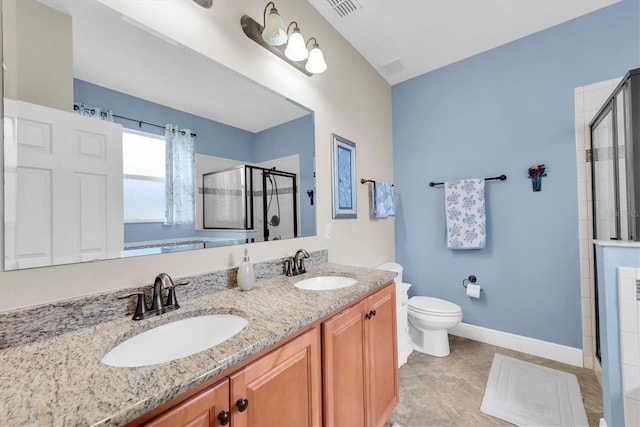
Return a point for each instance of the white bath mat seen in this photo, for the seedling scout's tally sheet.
(527, 394)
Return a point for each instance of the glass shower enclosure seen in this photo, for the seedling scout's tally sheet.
(615, 165)
(615, 170)
(251, 198)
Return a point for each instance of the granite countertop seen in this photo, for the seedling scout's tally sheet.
(61, 380)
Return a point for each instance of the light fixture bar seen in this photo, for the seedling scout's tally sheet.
(253, 30)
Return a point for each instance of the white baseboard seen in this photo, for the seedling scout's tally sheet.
(404, 351)
(548, 350)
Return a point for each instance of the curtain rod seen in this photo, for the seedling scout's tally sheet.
(140, 122)
(501, 178)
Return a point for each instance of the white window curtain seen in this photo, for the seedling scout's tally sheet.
(180, 176)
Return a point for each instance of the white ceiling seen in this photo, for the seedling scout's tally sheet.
(415, 36)
(402, 39)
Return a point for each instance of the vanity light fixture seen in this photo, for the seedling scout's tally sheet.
(289, 47)
(273, 32)
(296, 48)
(315, 63)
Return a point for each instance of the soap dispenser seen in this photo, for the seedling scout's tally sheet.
(246, 273)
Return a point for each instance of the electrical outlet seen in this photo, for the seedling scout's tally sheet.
(327, 231)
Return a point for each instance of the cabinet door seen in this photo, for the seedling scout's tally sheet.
(382, 355)
(282, 388)
(344, 368)
(201, 410)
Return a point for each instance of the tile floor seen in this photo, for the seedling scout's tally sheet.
(448, 391)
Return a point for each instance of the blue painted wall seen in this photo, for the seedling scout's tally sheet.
(213, 138)
(496, 113)
(608, 261)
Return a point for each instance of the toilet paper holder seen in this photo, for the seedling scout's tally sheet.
(470, 279)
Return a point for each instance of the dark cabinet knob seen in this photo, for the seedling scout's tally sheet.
(370, 314)
(224, 417)
(373, 313)
(242, 404)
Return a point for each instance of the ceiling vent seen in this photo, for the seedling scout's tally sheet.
(393, 66)
(344, 7)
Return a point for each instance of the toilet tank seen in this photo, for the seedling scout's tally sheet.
(392, 266)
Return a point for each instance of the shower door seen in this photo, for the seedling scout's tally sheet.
(277, 212)
(615, 167)
(606, 197)
(226, 205)
(615, 148)
(251, 198)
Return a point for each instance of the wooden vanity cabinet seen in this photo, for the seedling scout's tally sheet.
(360, 362)
(281, 388)
(352, 367)
(207, 408)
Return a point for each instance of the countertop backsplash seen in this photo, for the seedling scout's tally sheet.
(33, 324)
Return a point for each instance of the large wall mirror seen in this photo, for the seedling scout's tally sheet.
(94, 106)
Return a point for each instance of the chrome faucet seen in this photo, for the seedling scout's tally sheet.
(295, 265)
(158, 306)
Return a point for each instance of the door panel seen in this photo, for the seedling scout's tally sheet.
(282, 388)
(344, 368)
(200, 410)
(78, 163)
(381, 333)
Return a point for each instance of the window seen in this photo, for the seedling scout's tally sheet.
(143, 158)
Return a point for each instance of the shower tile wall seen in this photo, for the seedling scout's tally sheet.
(588, 99)
(629, 306)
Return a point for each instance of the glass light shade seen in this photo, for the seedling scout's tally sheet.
(296, 49)
(315, 63)
(274, 32)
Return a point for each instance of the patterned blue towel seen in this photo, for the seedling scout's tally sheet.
(382, 199)
(464, 209)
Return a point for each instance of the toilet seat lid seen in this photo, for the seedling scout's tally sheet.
(433, 305)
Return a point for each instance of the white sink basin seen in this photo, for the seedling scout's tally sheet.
(325, 283)
(175, 340)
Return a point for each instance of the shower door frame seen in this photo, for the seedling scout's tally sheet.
(292, 176)
(248, 190)
(629, 88)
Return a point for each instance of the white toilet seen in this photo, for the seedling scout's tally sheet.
(429, 322)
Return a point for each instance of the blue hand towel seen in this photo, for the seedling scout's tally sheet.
(465, 213)
(382, 197)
